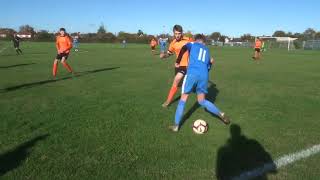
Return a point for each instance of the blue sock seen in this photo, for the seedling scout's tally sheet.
(210, 107)
(179, 112)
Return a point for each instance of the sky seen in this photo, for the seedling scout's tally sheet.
(230, 17)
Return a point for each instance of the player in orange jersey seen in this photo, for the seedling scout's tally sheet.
(153, 45)
(180, 71)
(64, 45)
(257, 49)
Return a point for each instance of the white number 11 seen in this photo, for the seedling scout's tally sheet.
(202, 55)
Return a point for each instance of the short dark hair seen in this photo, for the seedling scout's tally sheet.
(63, 29)
(200, 37)
(177, 28)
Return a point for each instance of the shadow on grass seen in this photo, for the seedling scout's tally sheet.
(211, 96)
(16, 65)
(39, 83)
(14, 158)
(241, 154)
(24, 53)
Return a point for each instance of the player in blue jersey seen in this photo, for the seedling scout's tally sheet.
(76, 42)
(197, 78)
(163, 45)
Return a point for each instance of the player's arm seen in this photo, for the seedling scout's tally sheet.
(57, 45)
(169, 52)
(183, 50)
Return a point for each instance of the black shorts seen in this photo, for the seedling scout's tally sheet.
(60, 56)
(153, 48)
(257, 49)
(16, 45)
(181, 69)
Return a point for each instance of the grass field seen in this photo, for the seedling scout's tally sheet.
(108, 123)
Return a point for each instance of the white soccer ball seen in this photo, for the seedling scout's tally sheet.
(200, 126)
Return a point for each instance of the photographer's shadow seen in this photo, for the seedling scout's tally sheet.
(243, 158)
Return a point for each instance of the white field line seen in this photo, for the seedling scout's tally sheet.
(280, 162)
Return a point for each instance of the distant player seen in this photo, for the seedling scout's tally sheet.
(124, 43)
(175, 47)
(153, 45)
(257, 49)
(16, 43)
(196, 79)
(76, 42)
(263, 47)
(163, 45)
(64, 45)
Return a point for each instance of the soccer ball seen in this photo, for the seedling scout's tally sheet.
(200, 126)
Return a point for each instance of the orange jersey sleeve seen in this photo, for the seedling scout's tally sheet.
(57, 43)
(171, 46)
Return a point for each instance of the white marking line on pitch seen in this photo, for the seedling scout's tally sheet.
(281, 162)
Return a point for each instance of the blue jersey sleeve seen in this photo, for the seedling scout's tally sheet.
(184, 49)
(189, 46)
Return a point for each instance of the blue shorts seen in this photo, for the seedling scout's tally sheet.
(193, 82)
(75, 44)
(162, 48)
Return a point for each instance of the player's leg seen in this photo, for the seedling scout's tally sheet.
(187, 87)
(161, 51)
(174, 88)
(179, 113)
(17, 49)
(259, 54)
(255, 54)
(55, 66)
(65, 64)
(202, 87)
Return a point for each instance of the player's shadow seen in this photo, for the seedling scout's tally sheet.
(39, 83)
(15, 157)
(24, 53)
(243, 158)
(16, 65)
(211, 96)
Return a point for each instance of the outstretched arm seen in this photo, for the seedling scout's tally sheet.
(168, 54)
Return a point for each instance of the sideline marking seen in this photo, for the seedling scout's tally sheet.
(280, 162)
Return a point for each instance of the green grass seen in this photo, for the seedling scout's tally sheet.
(108, 123)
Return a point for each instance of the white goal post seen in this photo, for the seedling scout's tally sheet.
(282, 42)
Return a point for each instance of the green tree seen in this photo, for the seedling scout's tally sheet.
(309, 34)
(44, 35)
(222, 38)
(215, 36)
(26, 29)
(140, 32)
(247, 38)
(188, 34)
(317, 35)
(279, 33)
(101, 29)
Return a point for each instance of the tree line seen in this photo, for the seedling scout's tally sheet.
(102, 35)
